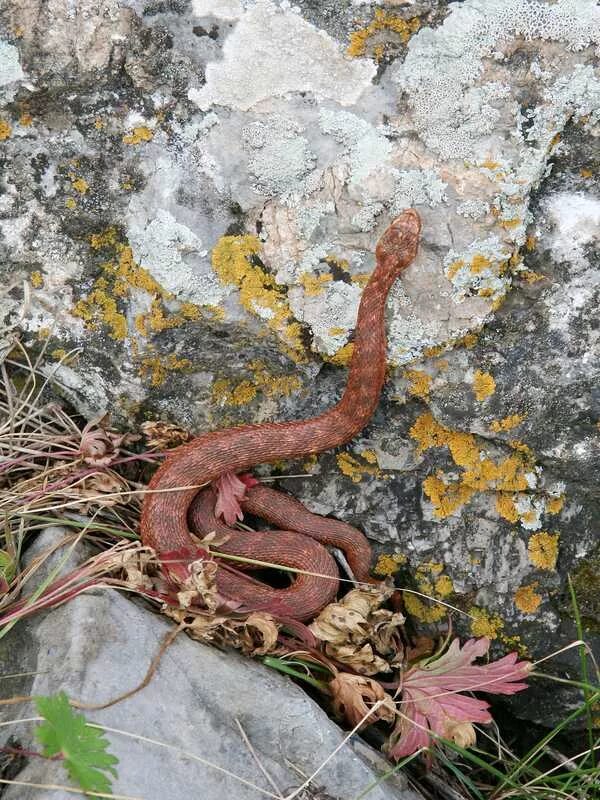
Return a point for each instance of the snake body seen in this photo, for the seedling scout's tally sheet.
(164, 520)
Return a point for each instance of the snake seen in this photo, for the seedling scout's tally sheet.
(176, 509)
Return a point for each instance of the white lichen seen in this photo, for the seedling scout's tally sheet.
(273, 51)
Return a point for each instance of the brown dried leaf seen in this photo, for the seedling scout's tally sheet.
(99, 489)
(362, 659)
(202, 583)
(338, 624)
(259, 634)
(134, 562)
(163, 435)
(99, 445)
(355, 695)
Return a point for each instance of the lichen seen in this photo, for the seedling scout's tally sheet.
(138, 135)
(37, 279)
(432, 583)
(542, 550)
(342, 357)
(235, 261)
(157, 368)
(484, 385)
(527, 599)
(356, 469)
(389, 564)
(383, 22)
(5, 130)
(314, 285)
(507, 423)
(508, 479)
(419, 383)
(485, 624)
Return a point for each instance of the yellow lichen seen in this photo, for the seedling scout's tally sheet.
(554, 505)
(542, 549)
(454, 267)
(480, 473)
(234, 260)
(355, 469)
(361, 279)
(5, 130)
(484, 385)
(99, 124)
(71, 203)
(43, 333)
(25, 120)
(80, 185)
(530, 243)
(382, 21)
(507, 423)
(527, 599)
(511, 223)
(37, 279)
(420, 383)
(479, 263)
(505, 506)
(469, 340)
(97, 307)
(432, 352)
(139, 135)
(157, 369)
(342, 357)
(315, 284)
(389, 564)
(586, 173)
(107, 238)
(491, 165)
(485, 624)
(529, 276)
(432, 583)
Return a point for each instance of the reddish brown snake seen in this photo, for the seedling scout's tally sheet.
(164, 521)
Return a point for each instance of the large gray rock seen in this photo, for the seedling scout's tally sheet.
(139, 136)
(100, 645)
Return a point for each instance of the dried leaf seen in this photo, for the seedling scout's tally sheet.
(355, 695)
(202, 583)
(361, 659)
(134, 562)
(99, 446)
(163, 435)
(338, 625)
(260, 634)
(93, 488)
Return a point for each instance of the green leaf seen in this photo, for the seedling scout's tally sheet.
(67, 734)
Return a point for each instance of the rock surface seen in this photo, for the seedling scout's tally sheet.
(192, 194)
(100, 644)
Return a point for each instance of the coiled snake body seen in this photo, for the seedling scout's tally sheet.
(166, 514)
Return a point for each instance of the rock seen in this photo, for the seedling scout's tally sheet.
(101, 643)
(196, 215)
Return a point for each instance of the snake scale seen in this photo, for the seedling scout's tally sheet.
(169, 512)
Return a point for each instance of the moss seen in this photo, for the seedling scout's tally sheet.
(527, 600)
(139, 135)
(5, 130)
(542, 549)
(382, 22)
(484, 385)
(235, 261)
(37, 279)
(586, 585)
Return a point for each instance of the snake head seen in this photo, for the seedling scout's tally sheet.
(398, 245)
